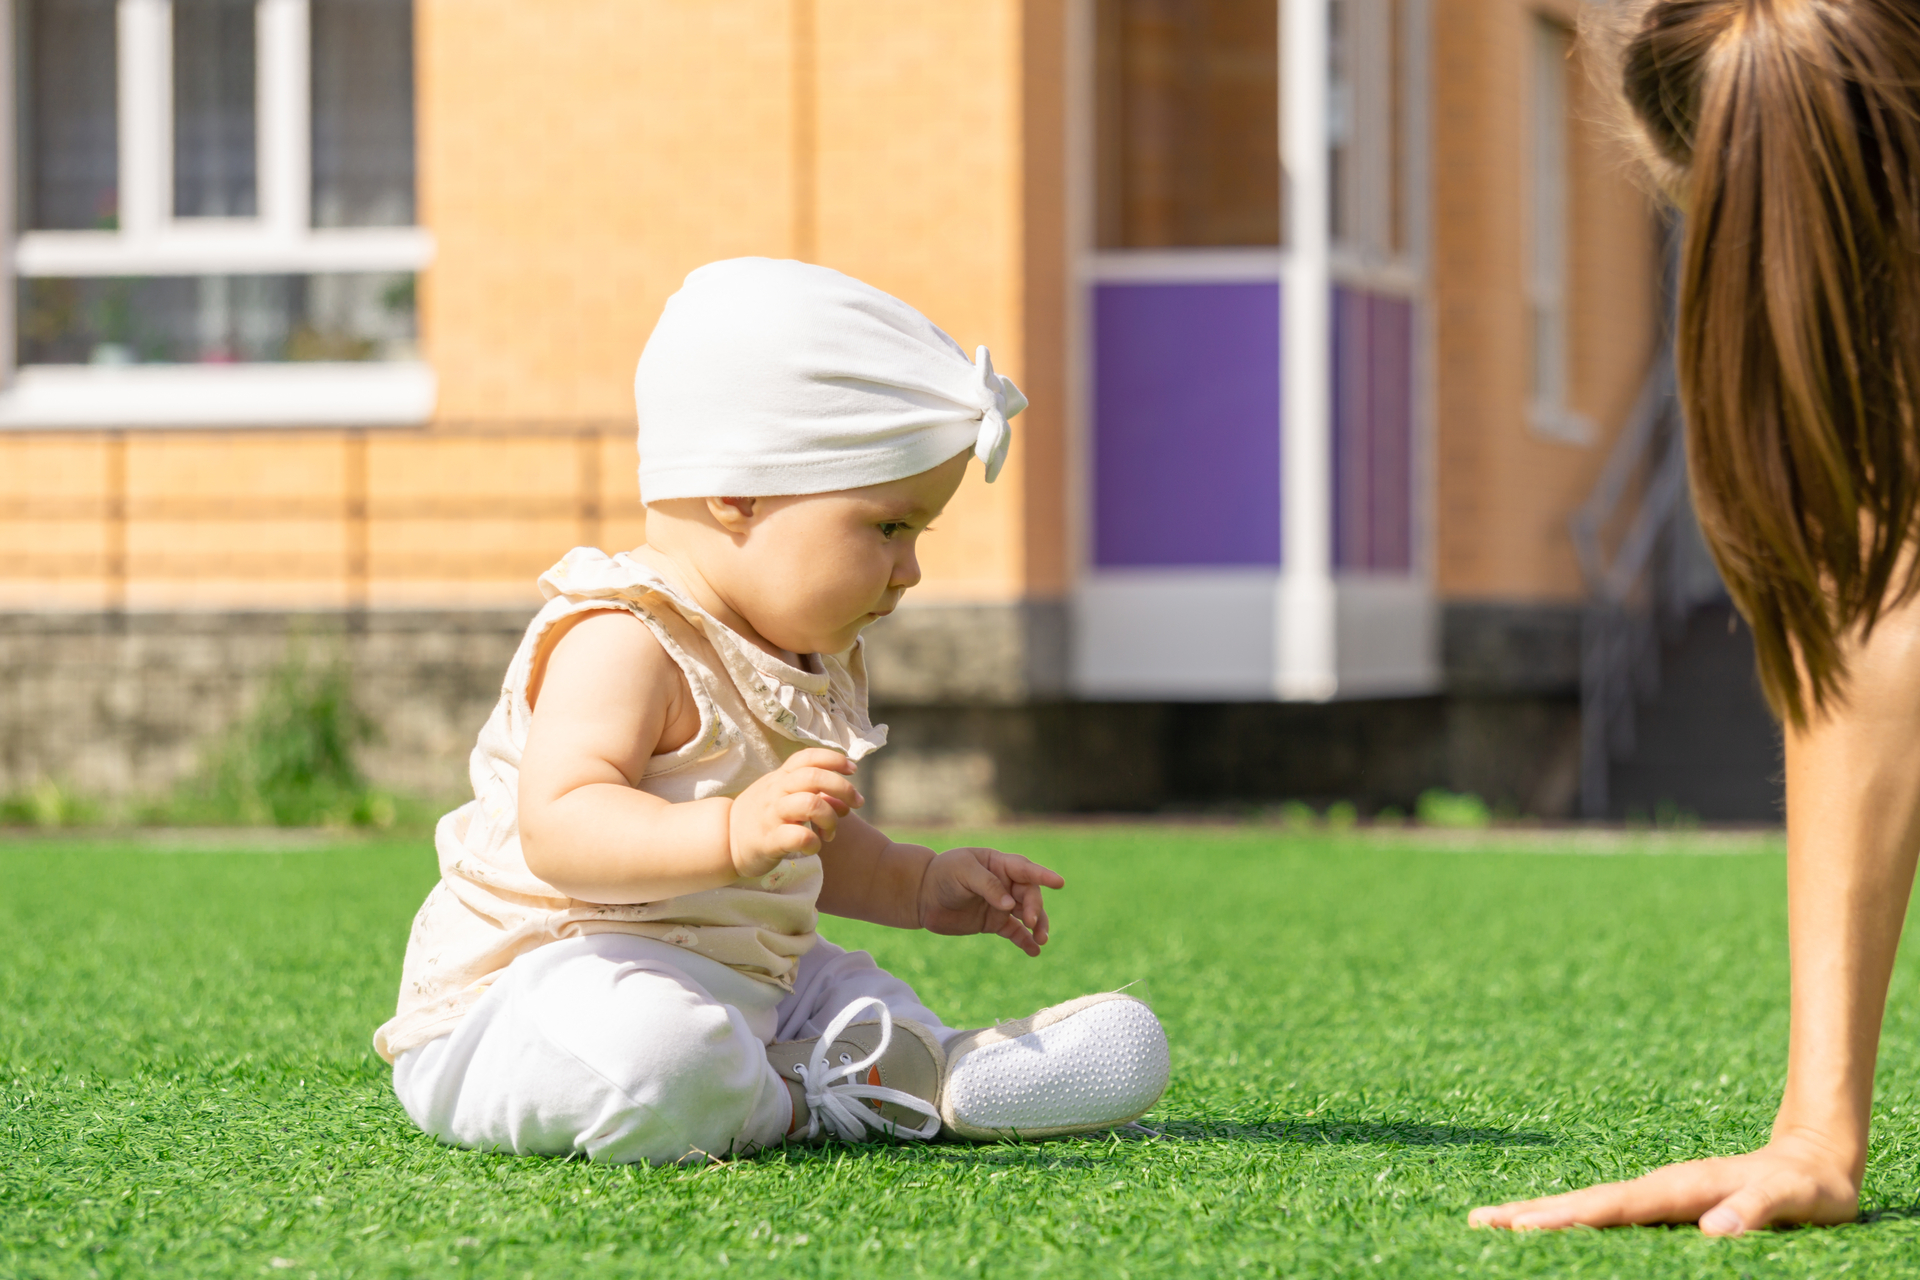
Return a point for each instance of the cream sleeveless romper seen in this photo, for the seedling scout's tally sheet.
(755, 711)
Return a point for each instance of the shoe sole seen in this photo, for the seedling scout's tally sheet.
(1093, 1063)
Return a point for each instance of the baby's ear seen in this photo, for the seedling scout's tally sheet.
(732, 514)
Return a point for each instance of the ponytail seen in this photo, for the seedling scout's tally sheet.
(1788, 132)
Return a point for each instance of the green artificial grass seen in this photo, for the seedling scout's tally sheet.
(1371, 1034)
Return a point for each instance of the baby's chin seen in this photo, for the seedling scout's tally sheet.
(835, 641)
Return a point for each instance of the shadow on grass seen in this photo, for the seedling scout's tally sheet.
(1085, 1150)
(1402, 1133)
(1892, 1213)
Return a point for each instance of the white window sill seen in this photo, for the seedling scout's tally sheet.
(398, 394)
(219, 247)
(1562, 426)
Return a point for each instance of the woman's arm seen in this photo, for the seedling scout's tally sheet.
(1853, 827)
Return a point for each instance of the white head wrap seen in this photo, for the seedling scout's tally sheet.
(767, 377)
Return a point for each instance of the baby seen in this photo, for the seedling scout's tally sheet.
(621, 957)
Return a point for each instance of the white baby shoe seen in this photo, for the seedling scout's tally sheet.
(1089, 1064)
(879, 1077)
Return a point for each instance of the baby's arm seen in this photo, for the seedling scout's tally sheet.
(609, 700)
(909, 886)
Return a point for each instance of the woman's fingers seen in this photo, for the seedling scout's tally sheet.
(1678, 1193)
(1791, 1194)
(1726, 1196)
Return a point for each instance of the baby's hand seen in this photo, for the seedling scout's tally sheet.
(987, 891)
(790, 812)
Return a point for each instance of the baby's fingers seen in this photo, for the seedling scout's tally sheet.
(821, 782)
(1032, 912)
(1019, 935)
(807, 812)
(980, 880)
(1026, 871)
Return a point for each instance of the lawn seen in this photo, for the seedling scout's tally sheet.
(1371, 1034)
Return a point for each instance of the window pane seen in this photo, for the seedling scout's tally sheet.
(68, 127)
(1342, 120)
(1188, 123)
(1399, 67)
(217, 319)
(214, 164)
(362, 113)
(1548, 198)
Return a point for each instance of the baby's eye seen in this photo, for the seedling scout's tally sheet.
(889, 529)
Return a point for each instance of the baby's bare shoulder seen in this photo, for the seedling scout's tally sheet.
(606, 666)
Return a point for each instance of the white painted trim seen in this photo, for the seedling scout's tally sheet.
(1081, 214)
(145, 80)
(1398, 278)
(1418, 124)
(1425, 516)
(9, 189)
(208, 246)
(291, 395)
(150, 241)
(1179, 266)
(1389, 636)
(1304, 651)
(1196, 635)
(284, 140)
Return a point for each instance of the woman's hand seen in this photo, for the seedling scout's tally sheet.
(790, 812)
(1794, 1178)
(1853, 829)
(987, 891)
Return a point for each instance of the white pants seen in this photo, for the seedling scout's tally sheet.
(630, 1050)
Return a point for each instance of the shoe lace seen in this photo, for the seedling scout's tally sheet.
(836, 1102)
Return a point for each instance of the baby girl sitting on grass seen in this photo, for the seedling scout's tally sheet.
(621, 957)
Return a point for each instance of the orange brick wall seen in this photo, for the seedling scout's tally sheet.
(1503, 492)
(577, 161)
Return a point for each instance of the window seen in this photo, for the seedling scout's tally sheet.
(1188, 121)
(214, 182)
(1370, 72)
(1548, 411)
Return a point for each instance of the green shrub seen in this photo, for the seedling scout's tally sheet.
(1297, 815)
(292, 760)
(47, 804)
(1441, 808)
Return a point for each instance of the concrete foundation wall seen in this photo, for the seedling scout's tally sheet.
(980, 727)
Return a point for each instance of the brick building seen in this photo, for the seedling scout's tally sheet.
(325, 315)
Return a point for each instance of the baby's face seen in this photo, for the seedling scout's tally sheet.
(810, 572)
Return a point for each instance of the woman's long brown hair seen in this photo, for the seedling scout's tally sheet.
(1788, 132)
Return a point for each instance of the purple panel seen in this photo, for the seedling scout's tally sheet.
(1372, 432)
(1186, 424)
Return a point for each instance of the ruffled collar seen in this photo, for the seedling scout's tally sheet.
(824, 708)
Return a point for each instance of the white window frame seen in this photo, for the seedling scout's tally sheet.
(1303, 632)
(1360, 109)
(150, 241)
(1549, 269)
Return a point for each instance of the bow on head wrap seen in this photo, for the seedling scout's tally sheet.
(768, 377)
